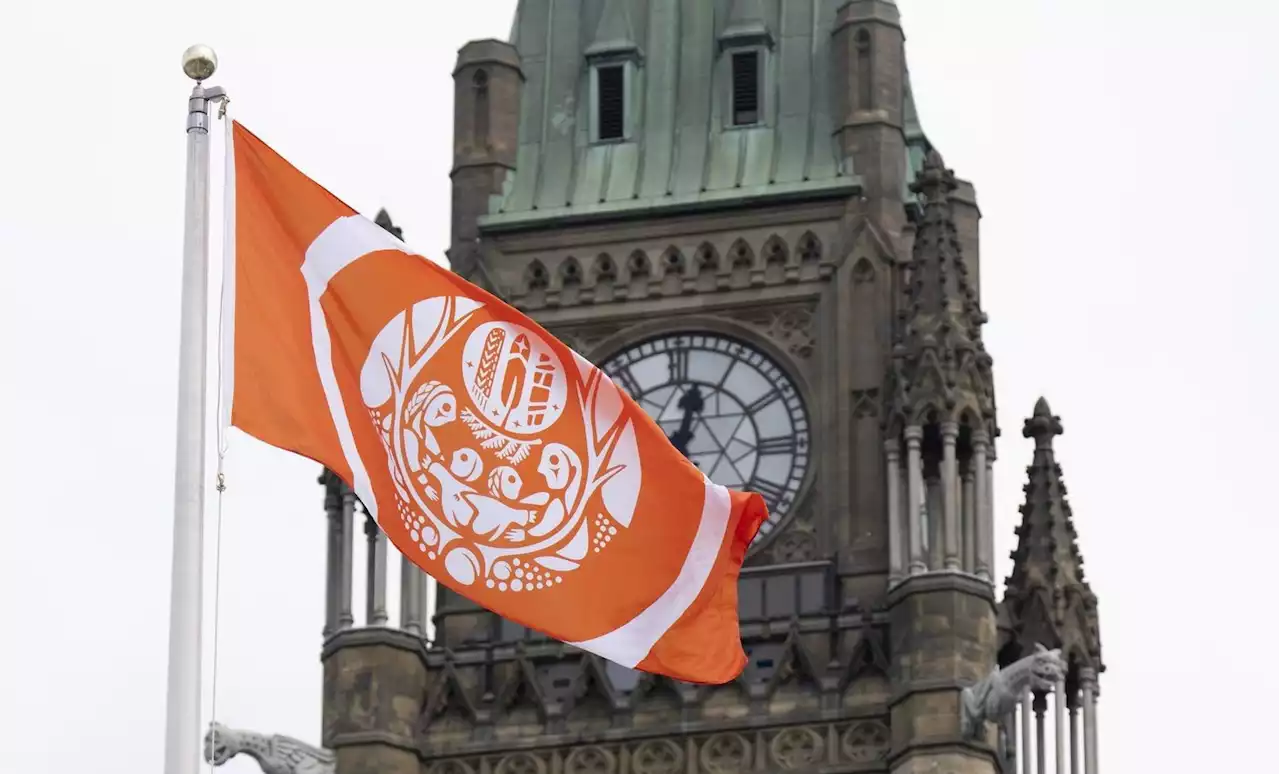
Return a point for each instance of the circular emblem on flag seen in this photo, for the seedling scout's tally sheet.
(511, 466)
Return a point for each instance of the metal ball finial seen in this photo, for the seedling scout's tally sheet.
(199, 62)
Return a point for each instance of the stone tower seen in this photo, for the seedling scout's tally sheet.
(731, 207)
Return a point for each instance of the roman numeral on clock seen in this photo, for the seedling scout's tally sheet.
(678, 365)
(771, 492)
(761, 402)
(778, 444)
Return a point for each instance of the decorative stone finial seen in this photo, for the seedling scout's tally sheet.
(935, 182)
(1043, 425)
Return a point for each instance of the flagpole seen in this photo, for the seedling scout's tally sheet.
(182, 722)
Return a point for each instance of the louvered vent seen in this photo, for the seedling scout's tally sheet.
(610, 102)
(746, 88)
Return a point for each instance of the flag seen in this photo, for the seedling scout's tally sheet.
(498, 460)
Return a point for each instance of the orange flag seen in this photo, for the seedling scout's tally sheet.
(498, 460)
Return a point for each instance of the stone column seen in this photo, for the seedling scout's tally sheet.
(376, 585)
(1060, 727)
(410, 603)
(915, 490)
(950, 508)
(1089, 683)
(893, 469)
(421, 593)
(980, 465)
(1074, 723)
(345, 616)
(333, 551)
(969, 522)
(1038, 704)
(1024, 744)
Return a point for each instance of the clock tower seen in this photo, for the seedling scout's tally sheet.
(731, 206)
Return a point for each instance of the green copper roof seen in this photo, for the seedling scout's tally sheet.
(917, 144)
(680, 150)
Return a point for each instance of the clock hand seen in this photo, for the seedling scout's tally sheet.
(692, 403)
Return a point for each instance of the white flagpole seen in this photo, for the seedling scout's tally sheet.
(182, 723)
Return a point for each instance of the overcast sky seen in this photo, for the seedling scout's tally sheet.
(1125, 154)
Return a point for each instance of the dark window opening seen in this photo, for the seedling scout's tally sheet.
(610, 103)
(746, 88)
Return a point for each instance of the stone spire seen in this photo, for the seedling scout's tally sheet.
(614, 32)
(1047, 599)
(939, 361)
(383, 219)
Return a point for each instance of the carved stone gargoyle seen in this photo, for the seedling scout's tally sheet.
(996, 695)
(275, 754)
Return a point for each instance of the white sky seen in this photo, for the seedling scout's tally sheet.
(1125, 153)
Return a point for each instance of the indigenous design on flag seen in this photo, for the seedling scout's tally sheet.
(508, 467)
(493, 457)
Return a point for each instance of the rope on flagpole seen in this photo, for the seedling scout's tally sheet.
(221, 478)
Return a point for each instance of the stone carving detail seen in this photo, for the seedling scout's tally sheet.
(795, 545)
(708, 261)
(866, 403)
(797, 748)
(791, 327)
(668, 272)
(520, 763)
(999, 692)
(275, 754)
(794, 328)
(606, 272)
(658, 756)
(535, 276)
(590, 760)
(866, 741)
(725, 754)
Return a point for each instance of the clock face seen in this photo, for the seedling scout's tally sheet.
(726, 406)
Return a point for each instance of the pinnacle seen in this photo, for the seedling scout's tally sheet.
(935, 182)
(1047, 591)
(1043, 425)
(940, 323)
(383, 220)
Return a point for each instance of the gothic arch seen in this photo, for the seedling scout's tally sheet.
(809, 248)
(741, 256)
(673, 261)
(864, 271)
(775, 251)
(605, 271)
(638, 265)
(706, 259)
(535, 276)
(570, 273)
